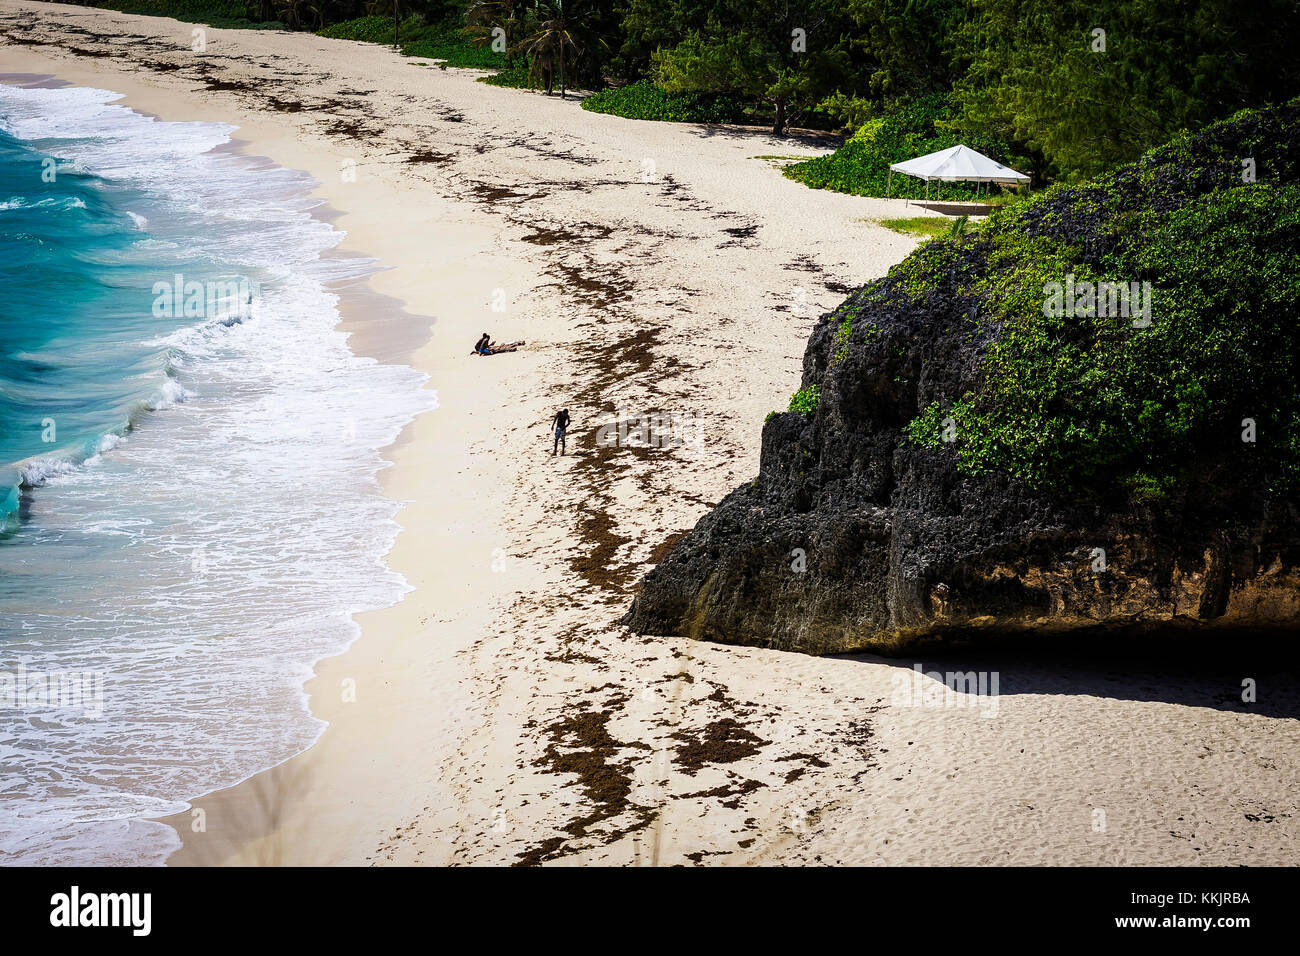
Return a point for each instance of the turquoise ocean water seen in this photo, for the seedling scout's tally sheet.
(189, 456)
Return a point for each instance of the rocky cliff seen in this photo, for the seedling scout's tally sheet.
(1082, 414)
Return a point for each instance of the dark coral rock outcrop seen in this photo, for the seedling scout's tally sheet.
(969, 459)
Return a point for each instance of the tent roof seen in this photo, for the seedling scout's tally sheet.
(959, 163)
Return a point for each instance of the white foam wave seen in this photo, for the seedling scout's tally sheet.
(170, 393)
(35, 472)
(207, 563)
(61, 202)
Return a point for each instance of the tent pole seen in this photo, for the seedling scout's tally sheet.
(889, 183)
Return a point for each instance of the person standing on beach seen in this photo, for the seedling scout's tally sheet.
(560, 424)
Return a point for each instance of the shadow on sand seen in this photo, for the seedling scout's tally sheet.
(800, 138)
(1190, 672)
(955, 209)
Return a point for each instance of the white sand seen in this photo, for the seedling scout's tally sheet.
(647, 301)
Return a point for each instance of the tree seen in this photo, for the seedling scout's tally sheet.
(294, 13)
(554, 29)
(789, 53)
(484, 16)
(259, 11)
(1094, 84)
(902, 49)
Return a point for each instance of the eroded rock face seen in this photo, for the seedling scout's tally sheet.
(884, 549)
(853, 536)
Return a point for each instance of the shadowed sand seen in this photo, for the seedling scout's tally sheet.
(500, 715)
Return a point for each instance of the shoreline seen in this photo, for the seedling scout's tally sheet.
(501, 715)
(377, 325)
(228, 808)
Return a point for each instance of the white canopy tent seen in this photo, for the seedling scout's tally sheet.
(955, 164)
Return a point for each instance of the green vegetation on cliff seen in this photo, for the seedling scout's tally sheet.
(1077, 388)
(805, 400)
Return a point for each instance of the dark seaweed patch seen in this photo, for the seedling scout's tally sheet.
(723, 741)
(581, 744)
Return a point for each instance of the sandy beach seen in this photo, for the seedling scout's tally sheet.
(499, 714)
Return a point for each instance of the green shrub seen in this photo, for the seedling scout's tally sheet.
(516, 78)
(367, 29)
(437, 42)
(805, 400)
(453, 47)
(643, 100)
(926, 429)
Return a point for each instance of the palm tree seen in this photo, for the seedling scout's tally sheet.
(376, 8)
(259, 11)
(558, 26)
(545, 35)
(292, 12)
(483, 16)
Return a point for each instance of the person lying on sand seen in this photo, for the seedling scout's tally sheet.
(485, 346)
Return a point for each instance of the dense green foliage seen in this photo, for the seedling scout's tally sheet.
(645, 100)
(416, 38)
(905, 46)
(788, 53)
(861, 165)
(228, 14)
(1092, 84)
(1085, 398)
(514, 78)
(373, 29)
(1061, 90)
(451, 47)
(292, 14)
(560, 43)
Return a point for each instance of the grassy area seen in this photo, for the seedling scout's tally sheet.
(918, 225)
(780, 162)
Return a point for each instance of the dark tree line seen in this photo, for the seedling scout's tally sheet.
(1083, 83)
